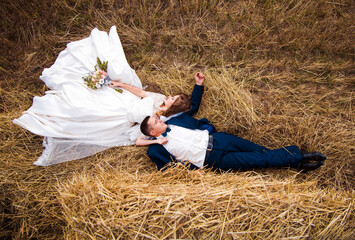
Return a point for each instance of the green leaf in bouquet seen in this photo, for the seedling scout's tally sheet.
(101, 65)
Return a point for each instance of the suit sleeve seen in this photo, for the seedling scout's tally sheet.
(158, 154)
(196, 98)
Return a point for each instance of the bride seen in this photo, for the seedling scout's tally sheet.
(77, 121)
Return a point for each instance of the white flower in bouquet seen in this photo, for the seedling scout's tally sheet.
(99, 78)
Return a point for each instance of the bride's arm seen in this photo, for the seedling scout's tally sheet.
(141, 141)
(136, 91)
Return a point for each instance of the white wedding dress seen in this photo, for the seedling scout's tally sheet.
(77, 121)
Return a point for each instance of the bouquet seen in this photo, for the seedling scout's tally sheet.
(99, 78)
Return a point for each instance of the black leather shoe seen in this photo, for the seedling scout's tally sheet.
(310, 166)
(315, 156)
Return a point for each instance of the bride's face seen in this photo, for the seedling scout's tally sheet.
(170, 101)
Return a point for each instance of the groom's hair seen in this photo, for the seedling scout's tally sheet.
(145, 128)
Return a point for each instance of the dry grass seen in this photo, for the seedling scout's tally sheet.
(277, 73)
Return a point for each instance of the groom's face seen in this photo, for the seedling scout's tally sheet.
(157, 126)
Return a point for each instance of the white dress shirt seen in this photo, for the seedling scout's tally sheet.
(187, 145)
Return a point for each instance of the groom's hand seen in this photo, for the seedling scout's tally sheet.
(199, 78)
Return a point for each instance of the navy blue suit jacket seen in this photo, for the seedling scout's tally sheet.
(157, 153)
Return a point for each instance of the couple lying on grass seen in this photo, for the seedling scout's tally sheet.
(77, 121)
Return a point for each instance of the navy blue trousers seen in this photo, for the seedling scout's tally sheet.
(232, 153)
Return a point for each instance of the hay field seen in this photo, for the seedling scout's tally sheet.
(277, 73)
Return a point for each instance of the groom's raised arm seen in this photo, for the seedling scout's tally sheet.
(196, 98)
(197, 93)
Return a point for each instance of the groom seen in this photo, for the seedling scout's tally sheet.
(218, 150)
(185, 139)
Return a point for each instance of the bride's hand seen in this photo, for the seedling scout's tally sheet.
(162, 141)
(199, 77)
(115, 83)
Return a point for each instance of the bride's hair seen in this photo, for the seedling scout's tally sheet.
(181, 104)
